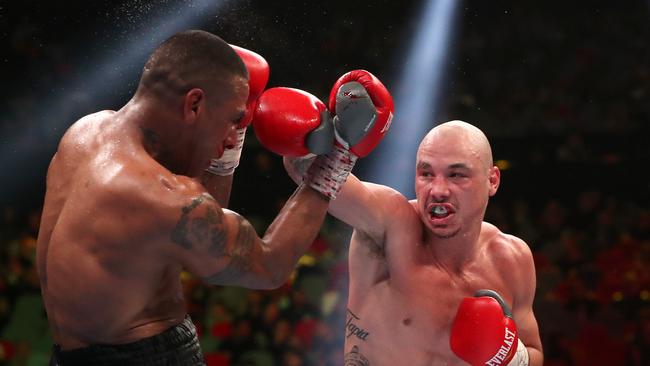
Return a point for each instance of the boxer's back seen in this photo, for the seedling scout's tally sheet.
(403, 315)
(100, 272)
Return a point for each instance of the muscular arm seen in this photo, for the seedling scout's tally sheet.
(218, 186)
(523, 304)
(362, 205)
(223, 248)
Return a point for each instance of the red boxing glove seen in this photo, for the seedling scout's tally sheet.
(484, 333)
(292, 122)
(258, 76)
(364, 110)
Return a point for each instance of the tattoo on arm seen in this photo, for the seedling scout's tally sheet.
(241, 251)
(217, 232)
(208, 229)
(240, 254)
(355, 358)
(180, 234)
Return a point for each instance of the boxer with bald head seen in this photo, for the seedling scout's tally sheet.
(431, 283)
(135, 196)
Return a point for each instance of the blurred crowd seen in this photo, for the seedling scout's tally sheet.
(591, 249)
(564, 100)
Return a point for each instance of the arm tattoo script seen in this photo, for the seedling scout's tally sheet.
(208, 228)
(240, 255)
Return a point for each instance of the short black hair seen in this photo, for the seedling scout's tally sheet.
(190, 59)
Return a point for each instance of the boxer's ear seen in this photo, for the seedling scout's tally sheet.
(494, 177)
(193, 105)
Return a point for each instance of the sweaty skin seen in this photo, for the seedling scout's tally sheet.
(105, 278)
(123, 217)
(410, 270)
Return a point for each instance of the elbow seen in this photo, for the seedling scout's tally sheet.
(275, 268)
(275, 275)
(276, 265)
(275, 279)
(267, 283)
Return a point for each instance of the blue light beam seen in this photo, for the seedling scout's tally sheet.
(417, 96)
(107, 75)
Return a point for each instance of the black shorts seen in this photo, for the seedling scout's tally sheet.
(177, 346)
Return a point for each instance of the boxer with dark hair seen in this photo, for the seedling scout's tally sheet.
(431, 283)
(135, 196)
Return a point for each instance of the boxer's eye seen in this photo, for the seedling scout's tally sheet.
(239, 117)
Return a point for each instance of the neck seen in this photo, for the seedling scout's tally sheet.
(156, 134)
(453, 253)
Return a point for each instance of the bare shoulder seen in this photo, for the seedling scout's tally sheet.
(148, 198)
(503, 245)
(384, 195)
(383, 218)
(371, 209)
(513, 256)
(397, 211)
(120, 170)
(392, 199)
(160, 193)
(86, 125)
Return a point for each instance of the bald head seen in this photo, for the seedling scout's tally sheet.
(459, 134)
(191, 59)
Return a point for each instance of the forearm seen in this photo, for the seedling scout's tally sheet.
(219, 186)
(293, 231)
(217, 178)
(344, 207)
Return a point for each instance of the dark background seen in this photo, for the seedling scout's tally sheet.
(561, 89)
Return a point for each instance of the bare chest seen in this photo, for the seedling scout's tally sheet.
(408, 317)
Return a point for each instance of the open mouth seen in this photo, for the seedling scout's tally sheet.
(440, 210)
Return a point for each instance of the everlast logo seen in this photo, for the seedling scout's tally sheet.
(503, 352)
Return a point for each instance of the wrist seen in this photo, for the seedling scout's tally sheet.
(229, 160)
(328, 172)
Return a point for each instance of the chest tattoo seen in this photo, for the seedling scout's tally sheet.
(355, 358)
(352, 329)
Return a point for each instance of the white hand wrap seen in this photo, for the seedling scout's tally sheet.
(521, 356)
(328, 172)
(227, 163)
